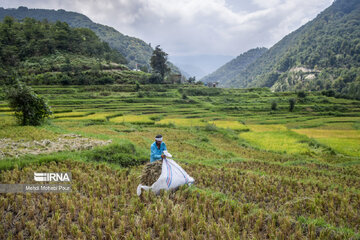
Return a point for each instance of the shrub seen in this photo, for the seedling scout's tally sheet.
(65, 80)
(328, 93)
(140, 94)
(104, 80)
(199, 83)
(29, 108)
(105, 93)
(202, 91)
(301, 94)
(274, 105)
(155, 78)
(157, 118)
(211, 128)
(292, 102)
(137, 86)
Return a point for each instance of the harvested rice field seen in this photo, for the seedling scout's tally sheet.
(259, 173)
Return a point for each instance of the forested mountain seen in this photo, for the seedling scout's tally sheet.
(321, 55)
(225, 74)
(31, 38)
(54, 53)
(135, 50)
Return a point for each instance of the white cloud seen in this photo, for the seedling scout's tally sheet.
(191, 27)
(267, 3)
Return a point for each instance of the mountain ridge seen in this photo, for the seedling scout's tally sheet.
(135, 50)
(328, 45)
(44, 53)
(226, 73)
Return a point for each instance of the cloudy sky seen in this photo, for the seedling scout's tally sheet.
(187, 29)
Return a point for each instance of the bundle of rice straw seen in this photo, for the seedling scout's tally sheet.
(151, 173)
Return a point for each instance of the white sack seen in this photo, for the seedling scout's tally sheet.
(172, 176)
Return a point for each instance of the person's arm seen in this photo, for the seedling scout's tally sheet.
(154, 155)
(165, 147)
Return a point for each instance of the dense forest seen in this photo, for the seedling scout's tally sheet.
(225, 74)
(323, 54)
(31, 38)
(54, 53)
(135, 50)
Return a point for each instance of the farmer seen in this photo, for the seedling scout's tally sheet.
(157, 149)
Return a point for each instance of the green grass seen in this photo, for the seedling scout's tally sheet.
(321, 223)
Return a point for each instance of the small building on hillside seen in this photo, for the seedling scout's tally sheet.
(176, 78)
(212, 84)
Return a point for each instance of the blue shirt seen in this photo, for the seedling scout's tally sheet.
(156, 152)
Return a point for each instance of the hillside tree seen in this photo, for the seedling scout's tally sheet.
(158, 61)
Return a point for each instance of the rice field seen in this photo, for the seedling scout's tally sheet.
(259, 174)
(343, 141)
(325, 133)
(10, 129)
(103, 116)
(132, 119)
(343, 145)
(235, 125)
(71, 114)
(277, 141)
(183, 122)
(266, 127)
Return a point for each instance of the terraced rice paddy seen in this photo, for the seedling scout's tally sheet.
(260, 174)
(71, 114)
(133, 119)
(278, 141)
(101, 116)
(267, 128)
(183, 122)
(235, 125)
(342, 140)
